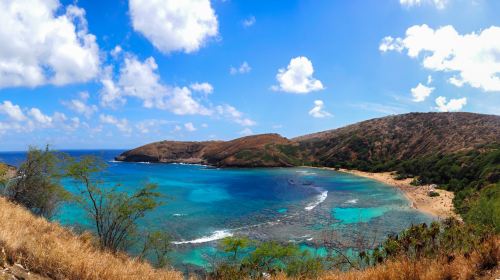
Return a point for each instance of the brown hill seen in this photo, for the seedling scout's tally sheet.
(251, 151)
(401, 137)
(398, 137)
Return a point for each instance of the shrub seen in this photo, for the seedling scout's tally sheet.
(114, 214)
(36, 184)
(433, 194)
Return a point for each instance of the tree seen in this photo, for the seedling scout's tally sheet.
(157, 245)
(115, 214)
(37, 183)
(3, 176)
(233, 245)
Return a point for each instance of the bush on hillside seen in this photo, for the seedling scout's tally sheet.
(36, 184)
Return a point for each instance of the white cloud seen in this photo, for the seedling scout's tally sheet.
(141, 80)
(440, 4)
(116, 51)
(471, 58)
(318, 110)
(39, 117)
(148, 126)
(247, 131)
(429, 80)
(202, 87)
(120, 124)
(110, 93)
(249, 21)
(451, 106)
(28, 120)
(234, 115)
(14, 112)
(297, 77)
(38, 46)
(242, 69)
(189, 127)
(173, 25)
(421, 92)
(390, 44)
(80, 105)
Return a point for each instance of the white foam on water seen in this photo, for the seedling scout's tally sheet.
(320, 198)
(216, 235)
(352, 201)
(305, 172)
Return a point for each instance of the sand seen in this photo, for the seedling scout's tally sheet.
(439, 206)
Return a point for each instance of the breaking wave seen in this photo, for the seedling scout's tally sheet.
(216, 235)
(320, 198)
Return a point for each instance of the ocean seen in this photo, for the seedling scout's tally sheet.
(205, 204)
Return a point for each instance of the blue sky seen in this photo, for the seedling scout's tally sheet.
(117, 74)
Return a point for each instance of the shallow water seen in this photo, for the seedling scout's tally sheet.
(206, 204)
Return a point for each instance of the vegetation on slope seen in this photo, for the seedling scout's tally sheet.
(55, 252)
(113, 214)
(448, 250)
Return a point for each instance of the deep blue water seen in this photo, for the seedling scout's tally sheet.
(204, 204)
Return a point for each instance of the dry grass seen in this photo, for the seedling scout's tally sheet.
(476, 266)
(50, 250)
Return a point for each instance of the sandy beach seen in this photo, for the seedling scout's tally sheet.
(440, 206)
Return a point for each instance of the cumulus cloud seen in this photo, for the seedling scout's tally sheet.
(39, 117)
(242, 69)
(140, 79)
(80, 105)
(440, 4)
(14, 112)
(120, 124)
(173, 25)
(30, 119)
(318, 110)
(38, 46)
(110, 93)
(189, 127)
(202, 87)
(297, 77)
(234, 115)
(471, 59)
(421, 92)
(451, 106)
(249, 21)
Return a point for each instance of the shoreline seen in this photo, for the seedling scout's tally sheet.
(439, 206)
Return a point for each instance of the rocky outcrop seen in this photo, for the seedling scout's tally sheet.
(398, 137)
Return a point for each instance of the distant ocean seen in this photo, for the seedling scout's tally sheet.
(205, 204)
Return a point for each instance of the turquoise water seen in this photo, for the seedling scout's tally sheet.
(205, 204)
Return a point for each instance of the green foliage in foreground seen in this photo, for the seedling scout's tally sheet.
(485, 210)
(114, 213)
(446, 239)
(36, 184)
